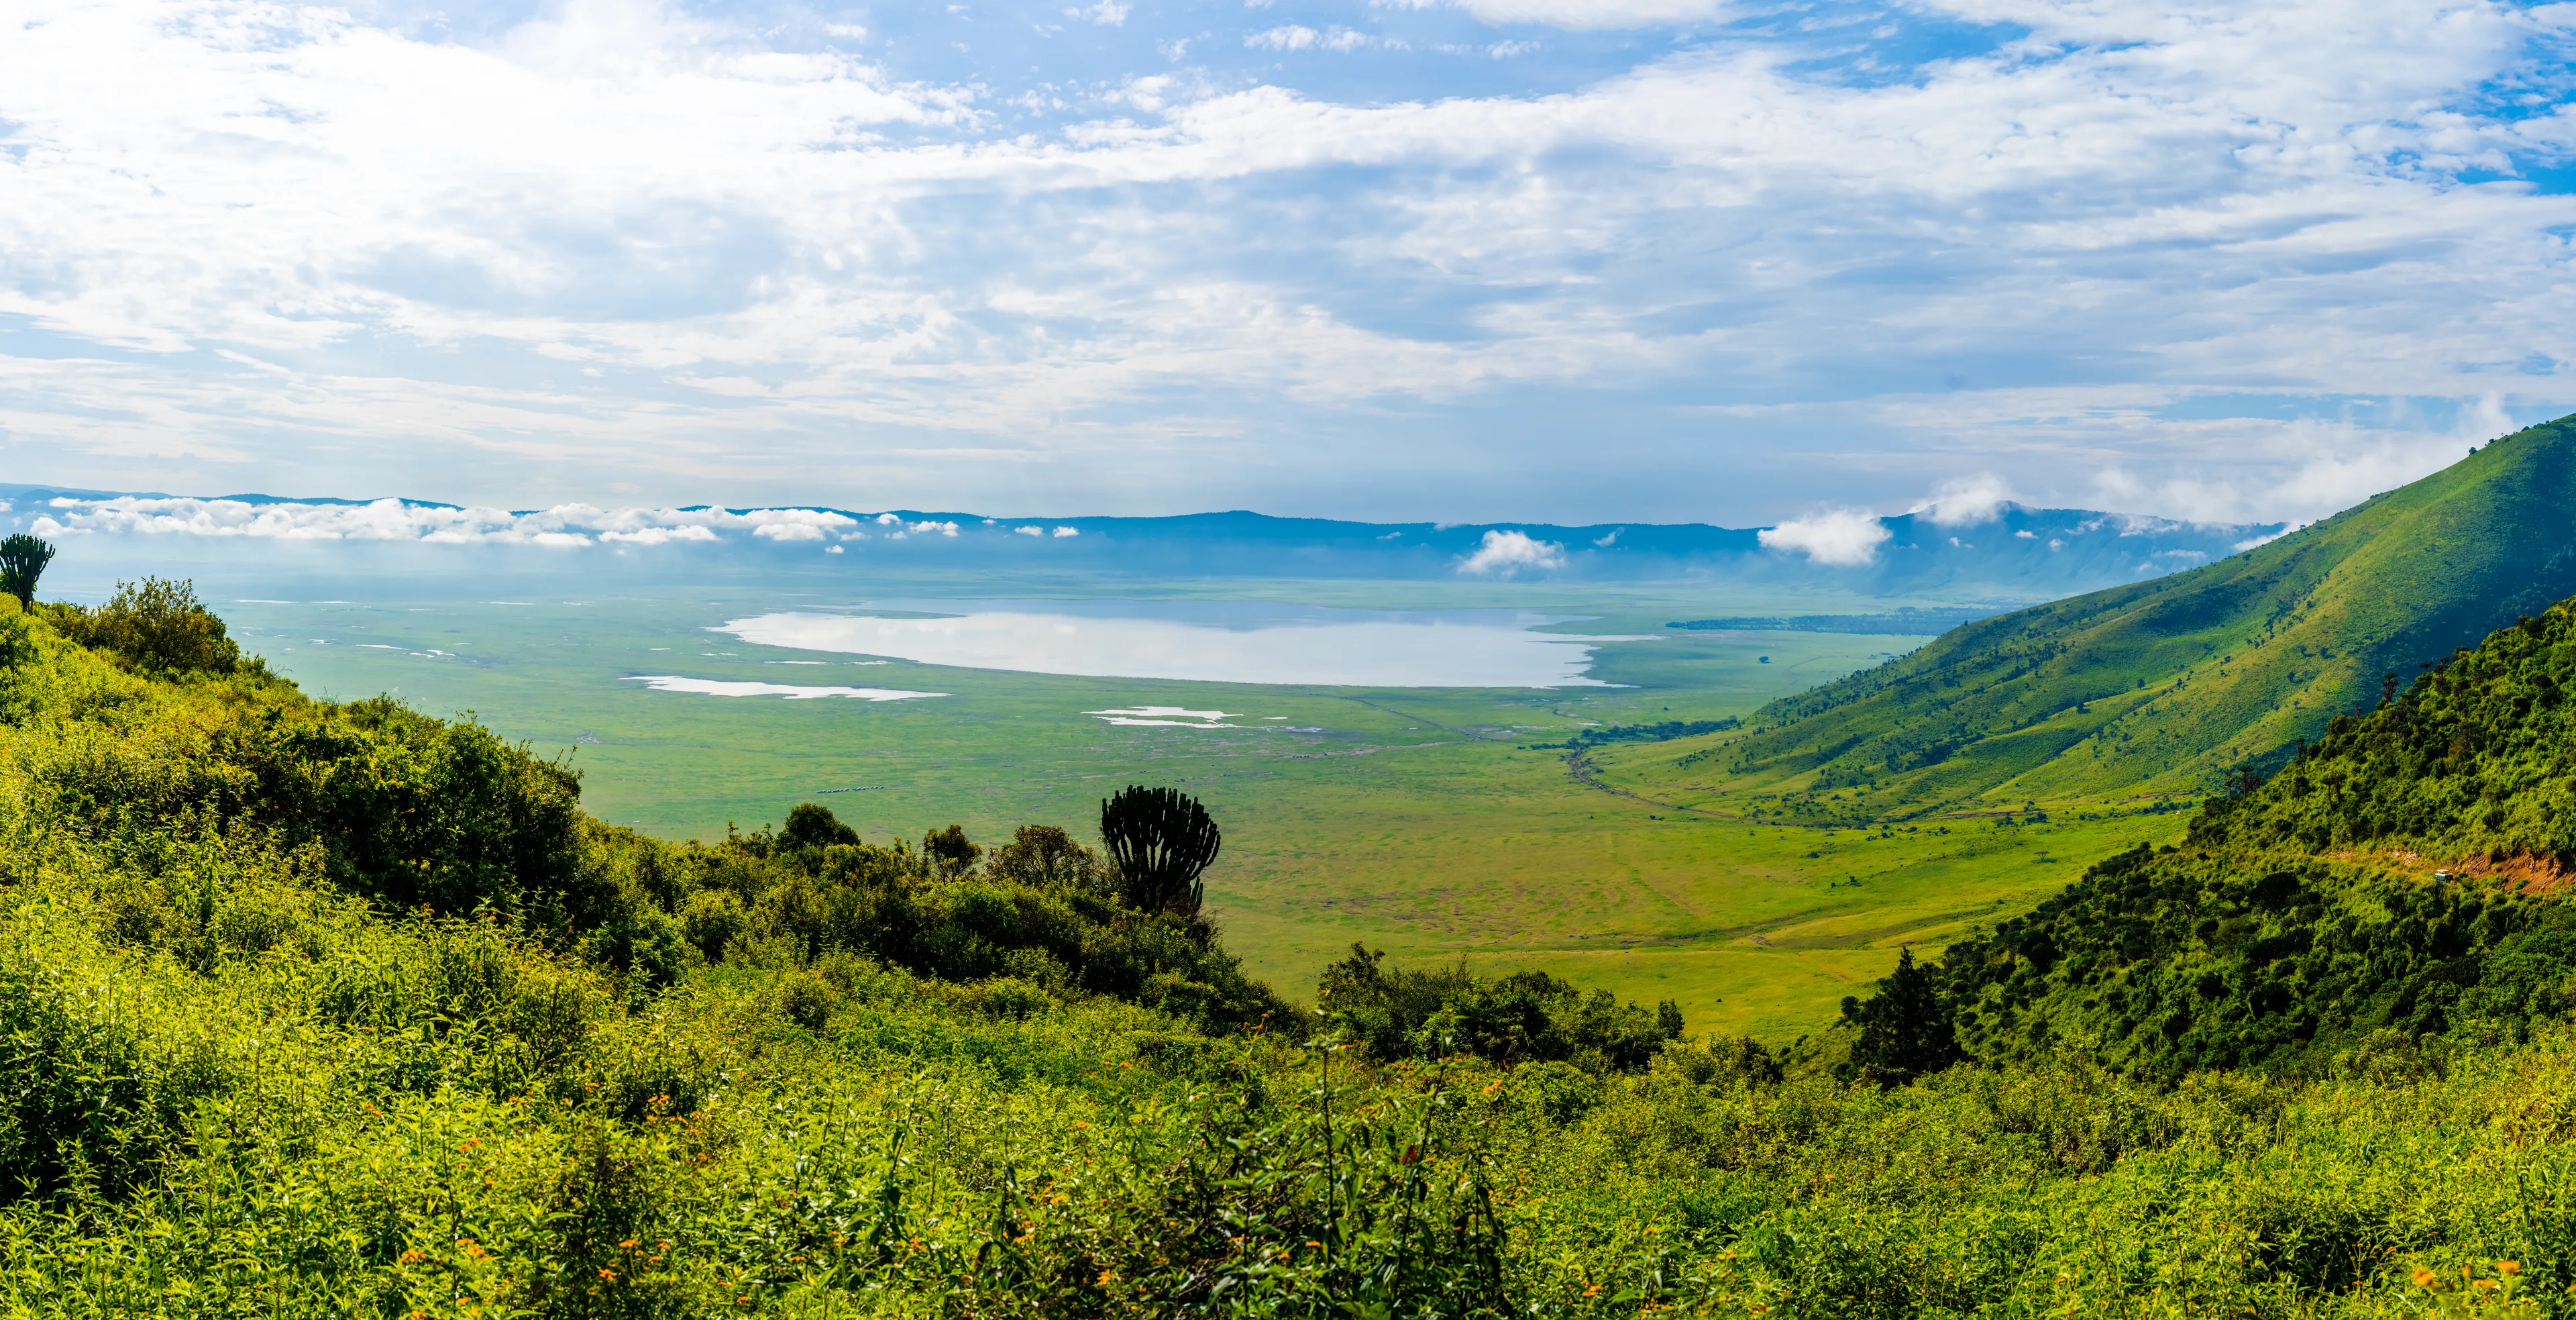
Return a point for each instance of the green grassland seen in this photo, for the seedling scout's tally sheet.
(2163, 686)
(1421, 822)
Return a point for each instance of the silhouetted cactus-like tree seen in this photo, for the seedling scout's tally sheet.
(22, 561)
(1162, 841)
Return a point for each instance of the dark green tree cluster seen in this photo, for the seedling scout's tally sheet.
(1042, 911)
(1401, 1013)
(2171, 962)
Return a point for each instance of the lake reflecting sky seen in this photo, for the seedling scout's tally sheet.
(1210, 641)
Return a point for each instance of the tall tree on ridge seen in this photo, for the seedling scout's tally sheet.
(1162, 840)
(22, 561)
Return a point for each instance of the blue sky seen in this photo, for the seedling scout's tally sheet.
(1575, 260)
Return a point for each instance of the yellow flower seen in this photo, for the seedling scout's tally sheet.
(2508, 1267)
(2423, 1277)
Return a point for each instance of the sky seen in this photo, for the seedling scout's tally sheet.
(1565, 260)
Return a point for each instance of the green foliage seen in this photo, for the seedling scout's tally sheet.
(2168, 683)
(2395, 882)
(1523, 1017)
(1046, 857)
(1905, 1029)
(950, 851)
(1661, 731)
(789, 1073)
(22, 563)
(156, 625)
(1162, 841)
(812, 826)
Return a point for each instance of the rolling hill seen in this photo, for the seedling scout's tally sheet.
(2163, 686)
(2400, 879)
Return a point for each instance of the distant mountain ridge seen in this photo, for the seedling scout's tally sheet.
(2031, 553)
(2165, 685)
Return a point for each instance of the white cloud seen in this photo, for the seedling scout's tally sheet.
(1843, 537)
(1107, 13)
(1068, 531)
(1581, 13)
(395, 520)
(660, 535)
(316, 239)
(1030, 531)
(1291, 36)
(1297, 36)
(1506, 553)
(2297, 471)
(1967, 501)
(921, 529)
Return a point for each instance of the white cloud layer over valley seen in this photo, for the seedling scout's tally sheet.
(1552, 259)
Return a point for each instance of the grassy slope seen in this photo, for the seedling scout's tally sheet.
(2163, 685)
(231, 1091)
(2300, 918)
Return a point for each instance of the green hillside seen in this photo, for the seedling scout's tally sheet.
(2163, 686)
(2403, 877)
(327, 1010)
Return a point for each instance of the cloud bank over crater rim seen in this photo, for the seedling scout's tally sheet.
(1843, 538)
(2189, 250)
(563, 526)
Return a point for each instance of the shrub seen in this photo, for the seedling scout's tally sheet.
(157, 625)
(812, 825)
(1526, 1016)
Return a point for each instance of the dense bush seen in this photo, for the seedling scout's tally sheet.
(156, 625)
(1041, 910)
(1522, 1017)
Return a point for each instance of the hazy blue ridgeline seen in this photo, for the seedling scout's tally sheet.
(2035, 552)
